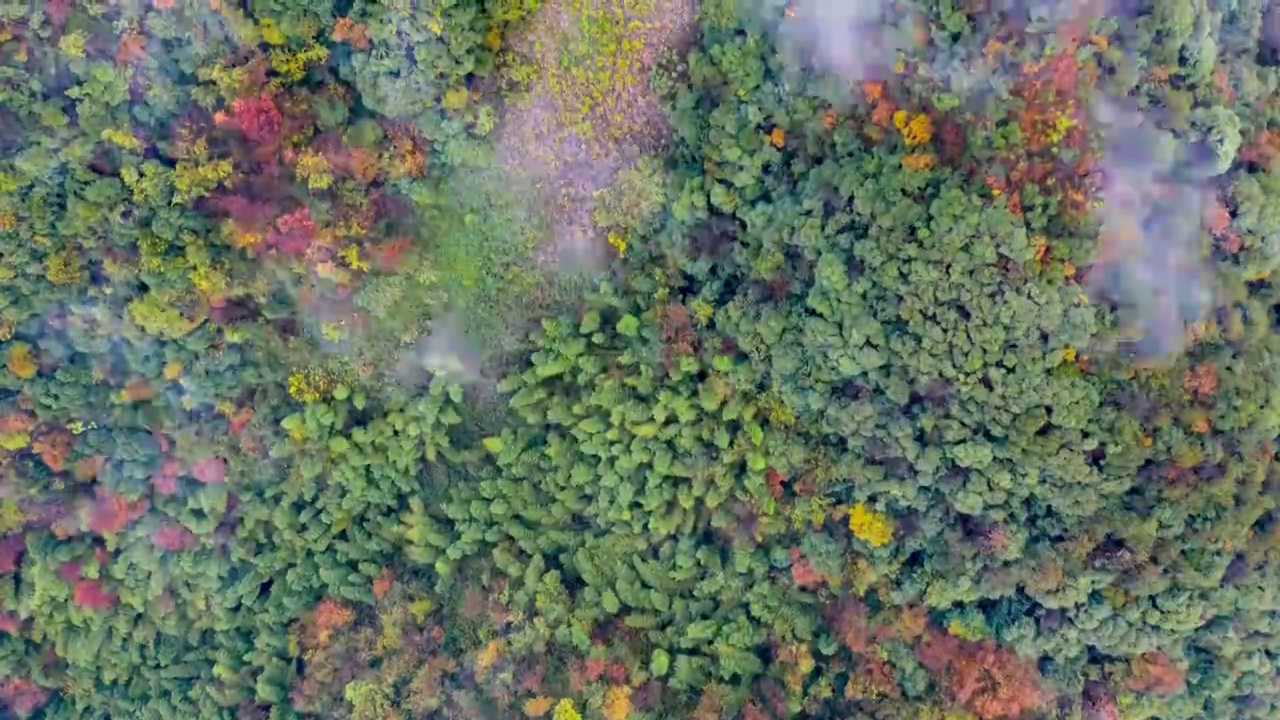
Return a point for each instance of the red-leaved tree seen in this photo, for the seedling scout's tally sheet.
(22, 696)
(989, 680)
(1155, 673)
(257, 118)
(11, 549)
(173, 538)
(89, 594)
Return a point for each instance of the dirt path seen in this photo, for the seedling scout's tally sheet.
(587, 112)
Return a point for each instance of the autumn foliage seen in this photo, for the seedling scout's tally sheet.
(849, 621)
(300, 414)
(1201, 381)
(165, 479)
(1155, 673)
(210, 471)
(258, 118)
(802, 572)
(173, 538)
(1263, 150)
(347, 30)
(22, 696)
(329, 615)
(989, 680)
(383, 584)
(109, 512)
(89, 593)
(53, 445)
(293, 231)
(11, 549)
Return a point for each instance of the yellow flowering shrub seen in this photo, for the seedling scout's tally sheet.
(72, 45)
(123, 139)
(351, 256)
(315, 170)
(566, 711)
(537, 707)
(293, 65)
(702, 310)
(916, 130)
(870, 526)
(967, 628)
(619, 243)
(310, 385)
(20, 361)
(455, 98)
(617, 703)
(210, 281)
(197, 180)
(486, 658)
(172, 370)
(919, 161)
(63, 268)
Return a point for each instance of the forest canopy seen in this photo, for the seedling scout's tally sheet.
(759, 359)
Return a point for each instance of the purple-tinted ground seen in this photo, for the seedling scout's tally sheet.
(561, 157)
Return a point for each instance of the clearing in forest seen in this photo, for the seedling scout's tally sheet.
(584, 110)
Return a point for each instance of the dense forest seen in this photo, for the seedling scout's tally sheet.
(608, 359)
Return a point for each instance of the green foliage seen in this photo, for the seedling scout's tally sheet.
(634, 200)
(847, 432)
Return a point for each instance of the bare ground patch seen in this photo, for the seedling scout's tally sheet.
(587, 111)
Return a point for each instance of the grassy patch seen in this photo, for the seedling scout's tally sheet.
(600, 67)
(593, 59)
